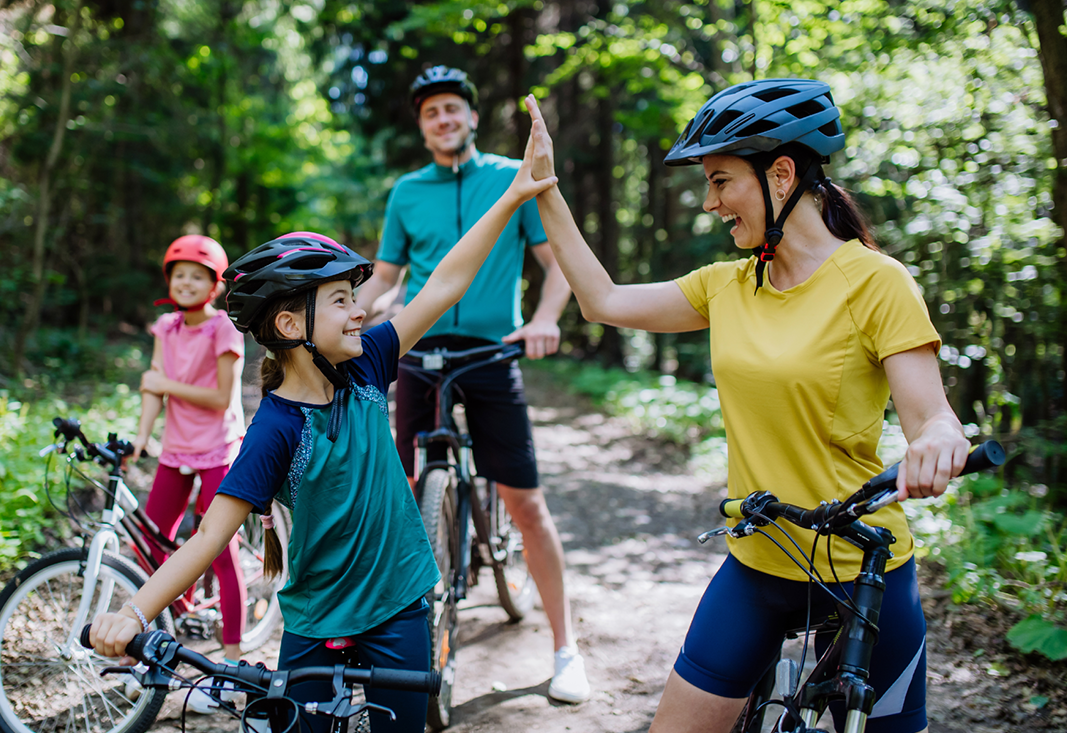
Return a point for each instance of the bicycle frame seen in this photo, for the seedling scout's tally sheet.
(446, 432)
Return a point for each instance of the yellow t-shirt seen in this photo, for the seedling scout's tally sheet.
(803, 390)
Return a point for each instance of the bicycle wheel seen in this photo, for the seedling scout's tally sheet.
(46, 687)
(437, 505)
(514, 584)
(262, 612)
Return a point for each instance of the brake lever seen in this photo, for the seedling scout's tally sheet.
(713, 533)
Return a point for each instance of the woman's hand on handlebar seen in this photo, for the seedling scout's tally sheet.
(111, 632)
(932, 459)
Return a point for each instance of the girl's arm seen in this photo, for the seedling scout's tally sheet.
(660, 307)
(454, 274)
(937, 448)
(151, 405)
(213, 399)
(111, 632)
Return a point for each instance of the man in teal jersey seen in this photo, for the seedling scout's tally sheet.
(427, 213)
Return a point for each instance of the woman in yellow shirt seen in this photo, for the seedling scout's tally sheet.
(809, 337)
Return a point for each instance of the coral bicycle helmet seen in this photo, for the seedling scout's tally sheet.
(440, 80)
(201, 250)
(760, 117)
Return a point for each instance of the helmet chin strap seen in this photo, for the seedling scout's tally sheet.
(339, 381)
(774, 233)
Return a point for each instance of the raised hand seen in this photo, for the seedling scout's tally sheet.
(526, 186)
(544, 162)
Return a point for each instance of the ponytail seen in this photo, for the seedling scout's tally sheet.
(272, 549)
(840, 213)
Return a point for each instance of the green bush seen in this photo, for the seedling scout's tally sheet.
(26, 517)
(1002, 547)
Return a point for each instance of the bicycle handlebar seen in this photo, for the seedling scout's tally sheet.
(761, 507)
(517, 348)
(159, 650)
(110, 453)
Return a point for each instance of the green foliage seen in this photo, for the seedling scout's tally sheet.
(1002, 547)
(658, 405)
(26, 517)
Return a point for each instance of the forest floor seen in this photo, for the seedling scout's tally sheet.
(628, 511)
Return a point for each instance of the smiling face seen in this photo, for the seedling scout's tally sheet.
(446, 122)
(338, 322)
(734, 194)
(191, 284)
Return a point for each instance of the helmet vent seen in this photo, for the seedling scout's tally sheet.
(805, 109)
(758, 128)
(770, 95)
(830, 129)
(723, 120)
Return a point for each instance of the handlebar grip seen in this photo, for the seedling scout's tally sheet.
(403, 679)
(134, 649)
(989, 454)
(731, 508)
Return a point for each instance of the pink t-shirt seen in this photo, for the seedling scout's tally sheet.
(191, 355)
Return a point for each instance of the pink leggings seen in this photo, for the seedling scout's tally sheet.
(166, 506)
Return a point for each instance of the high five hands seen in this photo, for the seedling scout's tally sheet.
(531, 178)
(544, 165)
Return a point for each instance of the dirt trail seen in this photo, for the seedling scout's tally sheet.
(629, 511)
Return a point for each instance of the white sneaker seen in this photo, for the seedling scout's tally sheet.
(569, 683)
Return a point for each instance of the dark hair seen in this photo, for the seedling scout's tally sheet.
(272, 370)
(839, 211)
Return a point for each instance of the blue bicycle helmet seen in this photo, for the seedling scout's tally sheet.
(761, 117)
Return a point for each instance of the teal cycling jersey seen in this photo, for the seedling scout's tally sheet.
(427, 213)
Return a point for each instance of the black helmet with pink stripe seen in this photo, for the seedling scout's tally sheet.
(290, 264)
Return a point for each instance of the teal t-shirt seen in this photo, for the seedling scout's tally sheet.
(427, 213)
(358, 553)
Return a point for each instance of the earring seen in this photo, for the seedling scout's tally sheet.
(780, 195)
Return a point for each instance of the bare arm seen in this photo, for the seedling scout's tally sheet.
(111, 632)
(660, 307)
(385, 279)
(455, 272)
(937, 448)
(213, 399)
(542, 332)
(151, 405)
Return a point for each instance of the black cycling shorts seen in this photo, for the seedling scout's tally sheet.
(741, 622)
(497, 419)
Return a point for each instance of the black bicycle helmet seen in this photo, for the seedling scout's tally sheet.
(441, 79)
(285, 266)
(759, 117)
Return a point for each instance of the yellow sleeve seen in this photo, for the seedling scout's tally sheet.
(890, 310)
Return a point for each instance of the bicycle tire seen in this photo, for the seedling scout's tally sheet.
(514, 585)
(437, 505)
(40, 691)
(262, 612)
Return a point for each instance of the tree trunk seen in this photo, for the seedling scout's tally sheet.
(1048, 19)
(44, 196)
(610, 349)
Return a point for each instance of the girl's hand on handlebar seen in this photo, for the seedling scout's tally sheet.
(932, 459)
(111, 632)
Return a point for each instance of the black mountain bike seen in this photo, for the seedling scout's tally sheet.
(842, 671)
(267, 706)
(451, 500)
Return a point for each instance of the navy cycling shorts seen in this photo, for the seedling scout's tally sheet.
(742, 619)
(402, 642)
(494, 402)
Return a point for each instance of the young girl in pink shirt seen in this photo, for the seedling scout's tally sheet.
(196, 365)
